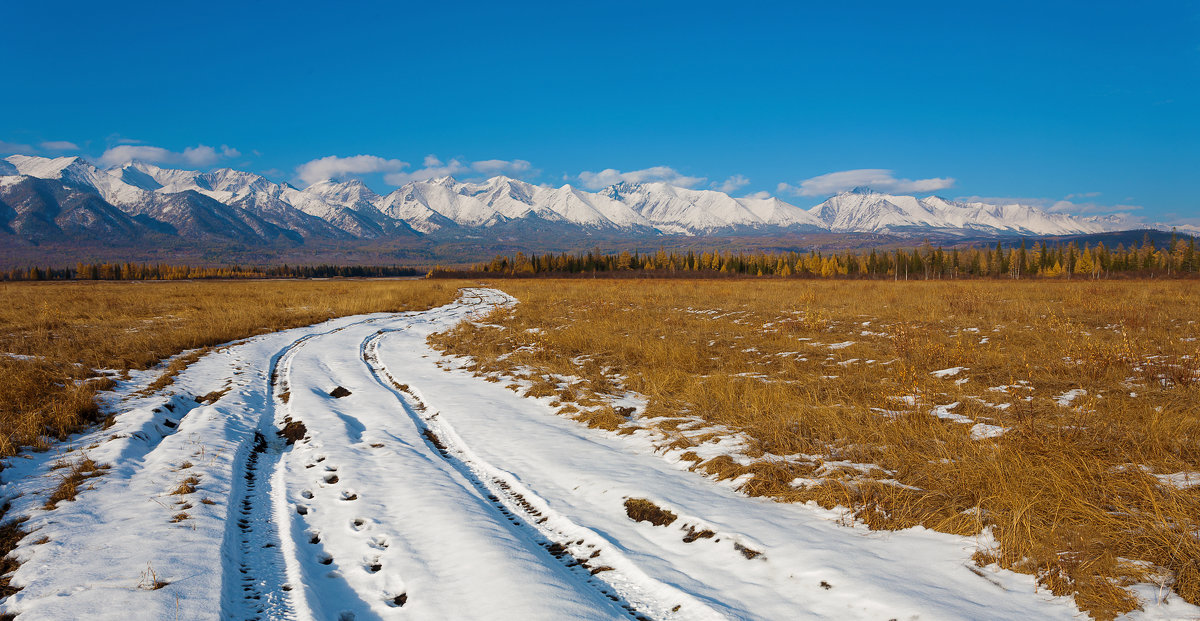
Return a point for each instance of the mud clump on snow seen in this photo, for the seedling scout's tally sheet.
(293, 432)
(693, 534)
(749, 553)
(642, 510)
(339, 392)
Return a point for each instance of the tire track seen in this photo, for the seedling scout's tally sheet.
(260, 569)
(594, 561)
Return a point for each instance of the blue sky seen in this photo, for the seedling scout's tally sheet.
(1084, 107)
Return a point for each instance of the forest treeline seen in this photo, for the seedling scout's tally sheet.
(1178, 257)
(140, 271)
(1038, 260)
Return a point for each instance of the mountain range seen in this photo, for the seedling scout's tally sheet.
(68, 199)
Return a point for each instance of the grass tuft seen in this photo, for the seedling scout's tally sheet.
(642, 510)
(72, 480)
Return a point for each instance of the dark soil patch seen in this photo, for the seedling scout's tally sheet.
(293, 432)
(339, 392)
(746, 552)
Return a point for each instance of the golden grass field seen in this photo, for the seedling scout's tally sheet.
(801, 390)
(55, 335)
(830, 388)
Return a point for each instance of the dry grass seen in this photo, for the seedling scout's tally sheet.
(150, 580)
(53, 336)
(642, 510)
(72, 479)
(186, 486)
(830, 388)
(11, 532)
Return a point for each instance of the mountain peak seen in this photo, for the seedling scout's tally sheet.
(51, 168)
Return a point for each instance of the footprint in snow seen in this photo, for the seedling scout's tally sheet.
(380, 542)
(349, 495)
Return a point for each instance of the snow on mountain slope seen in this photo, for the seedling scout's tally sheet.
(596, 210)
(774, 212)
(443, 197)
(864, 210)
(870, 211)
(77, 171)
(341, 209)
(511, 198)
(686, 210)
(350, 206)
(1025, 219)
(403, 204)
(46, 209)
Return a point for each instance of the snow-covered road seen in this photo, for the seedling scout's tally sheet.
(421, 493)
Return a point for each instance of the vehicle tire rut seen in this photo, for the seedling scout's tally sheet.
(579, 550)
(257, 542)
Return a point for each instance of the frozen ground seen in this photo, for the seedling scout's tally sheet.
(422, 493)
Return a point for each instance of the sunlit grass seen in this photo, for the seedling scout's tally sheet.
(54, 336)
(830, 388)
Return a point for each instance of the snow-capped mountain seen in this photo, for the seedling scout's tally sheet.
(70, 197)
(863, 210)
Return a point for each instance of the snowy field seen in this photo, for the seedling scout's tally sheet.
(405, 488)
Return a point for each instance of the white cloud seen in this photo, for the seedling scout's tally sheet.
(1051, 205)
(123, 154)
(731, 184)
(59, 145)
(332, 167)
(1083, 195)
(14, 147)
(880, 179)
(501, 167)
(395, 171)
(611, 176)
(200, 155)
(435, 168)
(1088, 208)
(763, 195)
